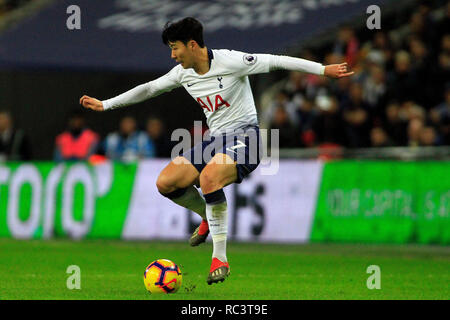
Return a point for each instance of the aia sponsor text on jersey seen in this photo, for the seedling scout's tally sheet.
(219, 101)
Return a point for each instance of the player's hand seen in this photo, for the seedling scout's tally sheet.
(337, 70)
(91, 103)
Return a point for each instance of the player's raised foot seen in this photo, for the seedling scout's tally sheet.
(200, 234)
(218, 272)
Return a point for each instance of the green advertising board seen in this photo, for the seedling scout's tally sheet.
(383, 202)
(44, 199)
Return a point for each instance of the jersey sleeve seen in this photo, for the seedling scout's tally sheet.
(145, 91)
(244, 64)
(296, 64)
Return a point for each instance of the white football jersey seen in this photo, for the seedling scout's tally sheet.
(224, 92)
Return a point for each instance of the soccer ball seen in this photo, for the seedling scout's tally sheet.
(162, 276)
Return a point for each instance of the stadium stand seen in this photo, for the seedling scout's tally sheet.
(398, 97)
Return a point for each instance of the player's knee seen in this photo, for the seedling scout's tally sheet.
(213, 177)
(208, 181)
(164, 184)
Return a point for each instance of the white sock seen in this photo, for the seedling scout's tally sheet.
(218, 226)
(193, 201)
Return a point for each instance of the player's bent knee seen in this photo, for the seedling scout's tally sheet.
(177, 176)
(164, 184)
(215, 177)
(207, 181)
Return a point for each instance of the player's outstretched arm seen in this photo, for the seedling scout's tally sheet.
(298, 64)
(91, 103)
(138, 94)
(337, 70)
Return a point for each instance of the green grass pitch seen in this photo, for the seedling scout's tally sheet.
(114, 270)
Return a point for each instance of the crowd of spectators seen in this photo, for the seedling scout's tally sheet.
(78, 142)
(127, 144)
(399, 96)
(14, 144)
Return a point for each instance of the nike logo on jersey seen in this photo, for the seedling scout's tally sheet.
(239, 145)
(190, 85)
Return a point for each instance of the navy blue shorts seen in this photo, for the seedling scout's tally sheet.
(242, 145)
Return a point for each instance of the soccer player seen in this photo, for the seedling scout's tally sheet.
(218, 81)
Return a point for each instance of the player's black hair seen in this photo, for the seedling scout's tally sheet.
(183, 30)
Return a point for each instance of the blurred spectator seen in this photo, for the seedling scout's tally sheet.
(296, 83)
(374, 90)
(443, 26)
(128, 144)
(445, 43)
(439, 73)
(296, 87)
(419, 54)
(440, 117)
(409, 110)
(381, 51)
(327, 124)
(356, 118)
(318, 86)
(306, 113)
(421, 65)
(415, 127)
(395, 126)
(156, 133)
(341, 88)
(428, 137)
(347, 45)
(77, 142)
(281, 100)
(379, 138)
(403, 83)
(14, 144)
(429, 25)
(288, 137)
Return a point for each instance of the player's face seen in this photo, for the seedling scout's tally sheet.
(181, 54)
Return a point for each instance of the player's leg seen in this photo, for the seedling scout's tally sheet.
(218, 173)
(176, 182)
